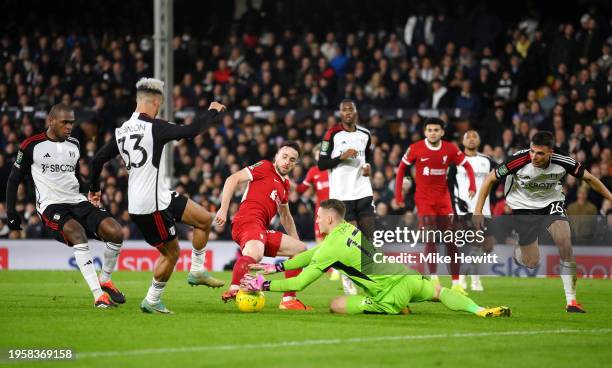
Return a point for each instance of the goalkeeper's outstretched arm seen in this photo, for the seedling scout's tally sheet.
(298, 283)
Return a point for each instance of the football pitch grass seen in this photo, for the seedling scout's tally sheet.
(53, 309)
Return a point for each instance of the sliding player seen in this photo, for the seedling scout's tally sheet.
(343, 248)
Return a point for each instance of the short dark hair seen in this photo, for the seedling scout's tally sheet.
(58, 108)
(543, 138)
(335, 205)
(291, 144)
(434, 121)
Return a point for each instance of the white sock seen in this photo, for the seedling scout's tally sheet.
(475, 279)
(288, 299)
(111, 253)
(197, 260)
(88, 270)
(155, 291)
(456, 282)
(568, 276)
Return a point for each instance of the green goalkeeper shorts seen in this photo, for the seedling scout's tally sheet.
(411, 288)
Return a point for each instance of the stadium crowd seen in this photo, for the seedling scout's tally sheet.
(510, 79)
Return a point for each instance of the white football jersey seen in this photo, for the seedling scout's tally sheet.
(141, 143)
(346, 180)
(530, 187)
(141, 152)
(482, 166)
(54, 167)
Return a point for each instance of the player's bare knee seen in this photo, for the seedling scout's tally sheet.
(74, 232)
(254, 250)
(531, 262)
(207, 221)
(111, 231)
(203, 222)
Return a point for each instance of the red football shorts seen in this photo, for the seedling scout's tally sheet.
(435, 212)
(244, 231)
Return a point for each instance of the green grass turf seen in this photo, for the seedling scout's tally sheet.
(42, 309)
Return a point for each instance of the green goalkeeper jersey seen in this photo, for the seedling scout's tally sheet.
(343, 250)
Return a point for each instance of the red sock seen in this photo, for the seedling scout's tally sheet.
(288, 274)
(433, 266)
(241, 267)
(455, 267)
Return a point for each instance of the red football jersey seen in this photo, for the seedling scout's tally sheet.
(431, 166)
(266, 190)
(319, 180)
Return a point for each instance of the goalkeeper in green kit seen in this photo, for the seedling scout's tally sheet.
(387, 291)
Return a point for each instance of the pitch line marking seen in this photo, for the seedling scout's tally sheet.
(301, 343)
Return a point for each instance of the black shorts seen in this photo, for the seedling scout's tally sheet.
(359, 208)
(159, 227)
(89, 216)
(530, 224)
(464, 222)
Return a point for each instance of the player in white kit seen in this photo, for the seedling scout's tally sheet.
(534, 190)
(464, 205)
(346, 153)
(52, 159)
(141, 142)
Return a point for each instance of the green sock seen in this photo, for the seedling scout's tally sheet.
(457, 302)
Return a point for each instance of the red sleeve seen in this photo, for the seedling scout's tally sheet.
(410, 156)
(399, 180)
(457, 156)
(470, 173)
(259, 170)
(301, 188)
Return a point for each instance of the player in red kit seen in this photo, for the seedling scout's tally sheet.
(431, 158)
(319, 180)
(266, 195)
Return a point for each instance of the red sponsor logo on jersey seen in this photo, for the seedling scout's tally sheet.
(144, 260)
(592, 266)
(3, 258)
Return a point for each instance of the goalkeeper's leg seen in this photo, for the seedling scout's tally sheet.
(457, 302)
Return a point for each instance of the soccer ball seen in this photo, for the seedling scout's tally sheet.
(250, 301)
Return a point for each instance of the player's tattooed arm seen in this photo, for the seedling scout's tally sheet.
(597, 185)
(229, 188)
(287, 221)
